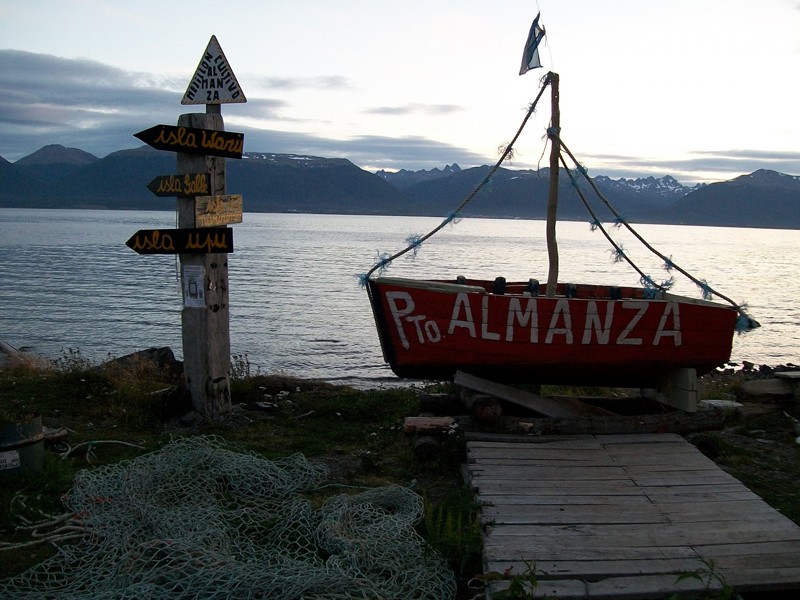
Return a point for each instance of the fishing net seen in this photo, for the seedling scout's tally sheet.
(199, 519)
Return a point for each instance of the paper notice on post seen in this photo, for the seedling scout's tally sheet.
(193, 286)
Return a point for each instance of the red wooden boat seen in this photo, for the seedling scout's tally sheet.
(583, 335)
(562, 334)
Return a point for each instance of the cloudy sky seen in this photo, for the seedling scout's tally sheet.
(704, 90)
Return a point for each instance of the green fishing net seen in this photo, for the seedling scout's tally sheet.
(200, 519)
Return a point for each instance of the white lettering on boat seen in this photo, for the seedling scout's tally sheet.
(425, 330)
(485, 333)
(593, 323)
(623, 339)
(671, 308)
(462, 303)
(523, 318)
(562, 309)
(412, 327)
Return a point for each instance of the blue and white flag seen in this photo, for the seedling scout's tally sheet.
(530, 58)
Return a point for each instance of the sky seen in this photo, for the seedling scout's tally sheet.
(702, 90)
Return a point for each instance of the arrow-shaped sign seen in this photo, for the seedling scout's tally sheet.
(193, 184)
(191, 140)
(182, 241)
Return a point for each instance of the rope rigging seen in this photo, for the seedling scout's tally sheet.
(384, 259)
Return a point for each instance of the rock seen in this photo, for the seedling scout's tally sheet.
(8, 354)
(163, 358)
(724, 404)
(767, 388)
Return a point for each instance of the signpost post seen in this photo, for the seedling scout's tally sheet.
(202, 145)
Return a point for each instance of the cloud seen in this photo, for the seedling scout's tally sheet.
(411, 109)
(76, 102)
(367, 151)
(327, 82)
(96, 107)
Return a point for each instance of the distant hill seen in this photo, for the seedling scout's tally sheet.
(761, 199)
(59, 177)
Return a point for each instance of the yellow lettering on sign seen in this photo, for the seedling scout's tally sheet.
(214, 141)
(180, 137)
(154, 241)
(209, 241)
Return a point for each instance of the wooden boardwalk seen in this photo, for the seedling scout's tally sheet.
(623, 516)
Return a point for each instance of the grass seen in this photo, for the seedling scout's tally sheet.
(134, 408)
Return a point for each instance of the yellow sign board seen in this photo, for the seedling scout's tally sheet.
(213, 211)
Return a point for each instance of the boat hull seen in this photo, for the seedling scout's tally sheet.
(585, 335)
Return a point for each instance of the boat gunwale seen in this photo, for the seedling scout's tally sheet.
(437, 285)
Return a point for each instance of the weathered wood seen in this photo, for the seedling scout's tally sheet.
(206, 329)
(672, 422)
(213, 211)
(553, 134)
(564, 407)
(610, 517)
(418, 425)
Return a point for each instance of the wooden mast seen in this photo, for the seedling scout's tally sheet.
(553, 132)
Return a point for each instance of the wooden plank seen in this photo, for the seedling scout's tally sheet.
(544, 497)
(647, 586)
(530, 514)
(750, 549)
(570, 514)
(577, 553)
(644, 534)
(593, 569)
(564, 589)
(565, 407)
(531, 460)
(560, 499)
(615, 588)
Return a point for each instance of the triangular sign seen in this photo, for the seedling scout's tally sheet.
(213, 81)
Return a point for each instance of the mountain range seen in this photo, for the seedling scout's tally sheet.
(59, 177)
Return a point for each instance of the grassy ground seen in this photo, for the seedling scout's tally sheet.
(131, 409)
(120, 413)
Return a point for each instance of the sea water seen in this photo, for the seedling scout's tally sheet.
(69, 283)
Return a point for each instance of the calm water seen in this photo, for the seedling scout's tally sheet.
(69, 281)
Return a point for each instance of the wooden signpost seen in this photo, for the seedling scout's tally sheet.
(202, 145)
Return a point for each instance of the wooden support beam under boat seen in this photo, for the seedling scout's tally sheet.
(549, 407)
